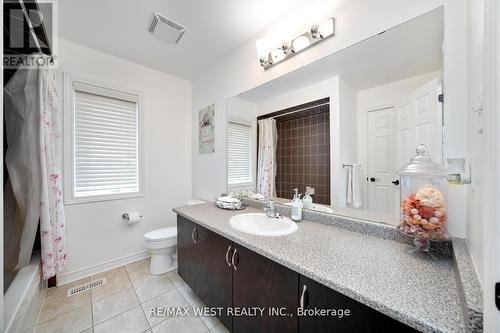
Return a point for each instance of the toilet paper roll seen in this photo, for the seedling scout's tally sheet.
(132, 217)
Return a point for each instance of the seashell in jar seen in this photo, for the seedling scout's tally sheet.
(426, 212)
(430, 196)
(438, 213)
(434, 220)
(429, 226)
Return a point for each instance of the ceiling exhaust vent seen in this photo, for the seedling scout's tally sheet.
(165, 29)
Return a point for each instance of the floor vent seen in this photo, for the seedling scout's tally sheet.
(84, 287)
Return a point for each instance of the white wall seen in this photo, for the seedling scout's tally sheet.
(455, 72)
(240, 108)
(96, 235)
(387, 94)
(473, 136)
(491, 159)
(327, 88)
(483, 152)
(347, 140)
(240, 71)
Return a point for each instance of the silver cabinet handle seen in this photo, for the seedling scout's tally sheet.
(227, 256)
(192, 235)
(302, 297)
(232, 259)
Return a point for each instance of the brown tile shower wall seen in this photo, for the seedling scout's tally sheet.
(303, 153)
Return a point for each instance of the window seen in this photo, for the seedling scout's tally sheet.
(239, 152)
(105, 144)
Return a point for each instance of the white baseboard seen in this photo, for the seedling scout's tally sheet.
(67, 277)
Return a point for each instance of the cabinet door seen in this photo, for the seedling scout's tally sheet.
(361, 317)
(260, 282)
(201, 256)
(187, 260)
(214, 280)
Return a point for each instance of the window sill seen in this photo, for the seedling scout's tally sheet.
(100, 198)
(237, 186)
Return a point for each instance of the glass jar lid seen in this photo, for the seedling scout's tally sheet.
(422, 164)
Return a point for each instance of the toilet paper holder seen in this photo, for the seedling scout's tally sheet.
(126, 216)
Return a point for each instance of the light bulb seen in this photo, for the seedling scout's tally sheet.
(300, 43)
(326, 28)
(262, 48)
(277, 55)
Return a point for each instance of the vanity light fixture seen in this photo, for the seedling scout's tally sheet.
(300, 43)
(270, 57)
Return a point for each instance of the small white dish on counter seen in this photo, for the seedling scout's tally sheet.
(262, 225)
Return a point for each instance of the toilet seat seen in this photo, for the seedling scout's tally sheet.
(160, 234)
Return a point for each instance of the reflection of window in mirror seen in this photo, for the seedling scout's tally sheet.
(239, 153)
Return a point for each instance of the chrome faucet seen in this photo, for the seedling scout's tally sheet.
(271, 210)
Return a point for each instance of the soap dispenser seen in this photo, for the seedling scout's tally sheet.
(296, 206)
(307, 200)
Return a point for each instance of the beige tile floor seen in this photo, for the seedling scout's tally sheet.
(122, 304)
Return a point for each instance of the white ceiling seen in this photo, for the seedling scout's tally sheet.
(410, 49)
(120, 28)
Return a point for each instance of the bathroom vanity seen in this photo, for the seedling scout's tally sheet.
(226, 274)
(319, 266)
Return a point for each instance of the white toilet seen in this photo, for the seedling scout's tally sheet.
(163, 245)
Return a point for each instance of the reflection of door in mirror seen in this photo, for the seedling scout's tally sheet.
(393, 134)
(381, 151)
(420, 121)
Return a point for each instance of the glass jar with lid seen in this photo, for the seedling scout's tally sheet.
(423, 188)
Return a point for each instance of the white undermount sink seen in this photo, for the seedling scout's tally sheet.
(262, 225)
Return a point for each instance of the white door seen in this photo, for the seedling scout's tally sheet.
(419, 120)
(381, 151)
(393, 135)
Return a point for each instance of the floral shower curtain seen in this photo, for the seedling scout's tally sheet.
(266, 173)
(52, 229)
(34, 191)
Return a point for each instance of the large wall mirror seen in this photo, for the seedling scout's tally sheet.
(341, 127)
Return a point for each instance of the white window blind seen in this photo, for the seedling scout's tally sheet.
(239, 153)
(106, 142)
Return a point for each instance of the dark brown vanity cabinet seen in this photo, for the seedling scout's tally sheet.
(228, 275)
(201, 257)
(313, 295)
(262, 283)
(361, 318)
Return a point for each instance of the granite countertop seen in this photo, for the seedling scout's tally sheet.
(374, 271)
(377, 272)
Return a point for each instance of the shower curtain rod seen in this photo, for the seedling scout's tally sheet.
(299, 110)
